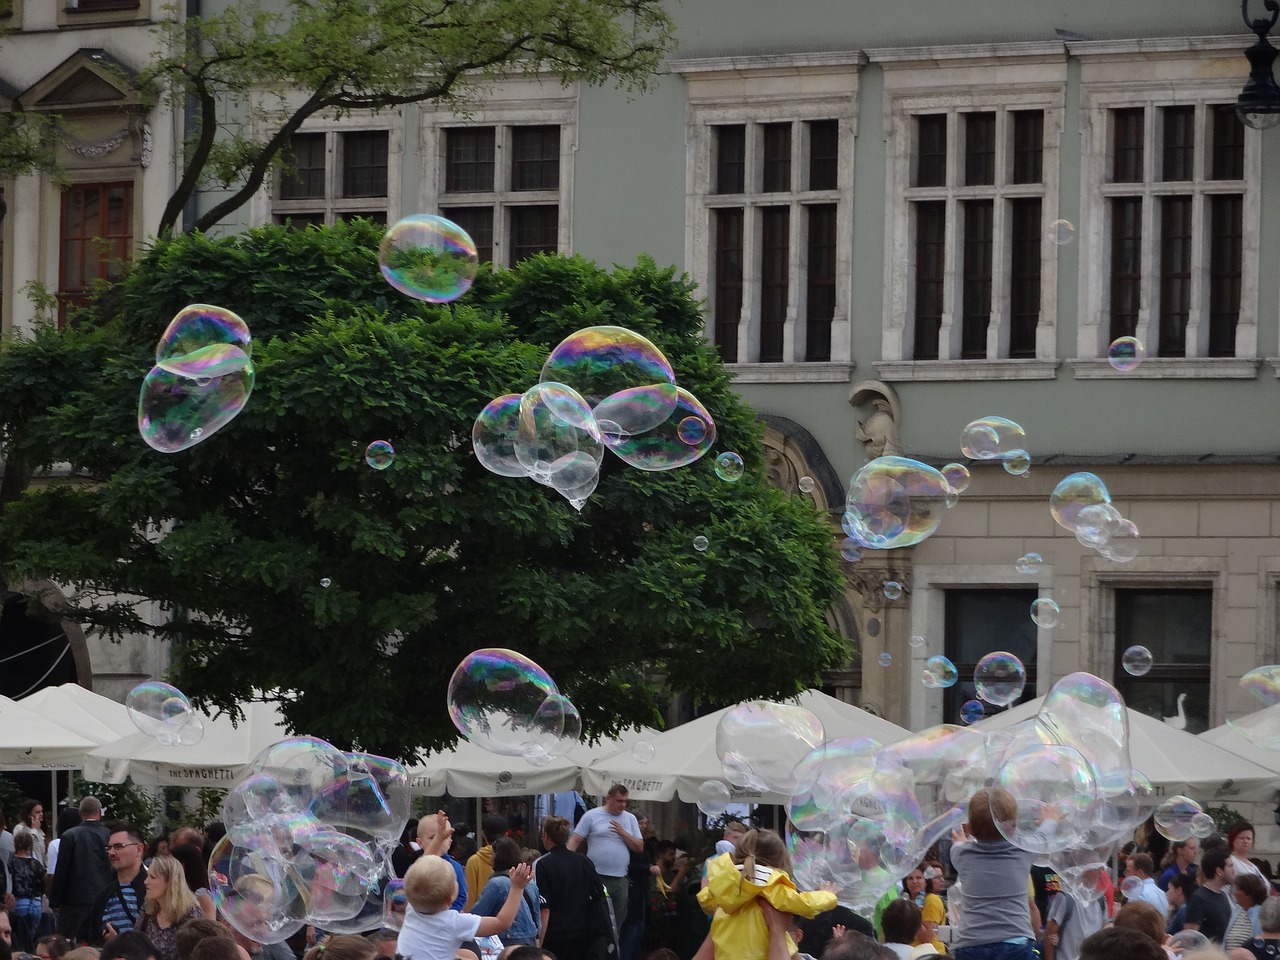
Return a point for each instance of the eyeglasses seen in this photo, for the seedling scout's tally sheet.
(121, 846)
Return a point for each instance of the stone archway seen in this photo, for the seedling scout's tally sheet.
(39, 646)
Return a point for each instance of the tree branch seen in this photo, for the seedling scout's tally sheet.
(195, 163)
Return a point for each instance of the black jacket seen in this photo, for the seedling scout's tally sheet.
(83, 868)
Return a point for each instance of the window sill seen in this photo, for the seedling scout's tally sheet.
(1169, 368)
(1033, 369)
(818, 372)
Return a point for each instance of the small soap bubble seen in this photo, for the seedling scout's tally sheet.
(939, 673)
(958, 476)
(1137, 661)
(1062, 232)
(917, 642)
(713, 798)
(380, 454)
(700, 543)
(643, 751)
(428, 258)
(892, 590)
(972, 711)
(1131, 887)
(162, 712)
(1017, 463)
(992, 438)
(1044, 612)
(326, 582)
(1174, 817)
(1029, 564)
(1126, 353)
(806, 484)
(729, 466)
(850, 550)
(692, 430)
(1186, 941)
(1000, 678)
(886, 659)
(1203, 825)
(197, 433)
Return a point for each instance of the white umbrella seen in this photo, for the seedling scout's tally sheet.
(1176, 762)
(685, 756)
(1226, 738)
(218, 760)
(31, 741)
(82, 711)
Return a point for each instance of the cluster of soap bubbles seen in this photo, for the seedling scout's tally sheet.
(310, 832)
(428, 258)
(602, 388)
(999, 439)
(163, 712)
(1081, 505)
(202, 378)
(505, 703)
(1253, 707)
(1180, 818)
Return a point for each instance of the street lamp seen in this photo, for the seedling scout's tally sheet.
(1259, 102)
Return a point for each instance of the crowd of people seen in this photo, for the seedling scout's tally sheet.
(607, 888)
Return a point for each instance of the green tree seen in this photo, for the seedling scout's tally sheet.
(25, 141)
(432, 558)
(332, 56)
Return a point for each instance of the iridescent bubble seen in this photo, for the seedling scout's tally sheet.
(558, 441)
(338, 872)
(556, 728)
(494, 697)
(991, 438)
(1203, 825)
(1137, 661)
(1126, 353)
(713, 798)
(700, 543)
(1062, 232)
(939, 673)
(729, 467)
(850, 550)
(176, 411)
(827, 775)
(194, 343)
(759, 743)
(1131, 887)
(660, 448)
(892, 590)
(493, 436)
(1016, 463)
(917, 642)
(1029, 564)
(1055, 791)
(1253, 707)
(263, 902)
(624, 377)
(1123, 543)
(692, 430)
(1073, 494)
(1173, 818)
(371, 798)
(972, 711)
(395, 905)
(806, 484)
(160, 710)
(1187, 941)
(428, 258)
(886, 659)
(1000, 678)
(1045, 612)
(643, 751)
(326, 582)
(957, 474)
(894, 502)
(380, 454)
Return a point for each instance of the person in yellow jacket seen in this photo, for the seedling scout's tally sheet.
(735, 885)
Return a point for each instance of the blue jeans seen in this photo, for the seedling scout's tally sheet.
(28, 909)
(997, 951)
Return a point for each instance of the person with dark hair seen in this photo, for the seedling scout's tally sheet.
(1240, 843)
(1181, 858)
(407, 849)
(1249, 893)
(900, 923)
(193, 932)
(524, 929)
(120, 901)
(1209, 909)
(28, 890)
(68, 818)
(1143, 917)
(130, 945)
(817, 932)
(528, 953)
(83, 869)
(53, 947)
(214, 831)
(1141, 867)
(197, 877)
(216, 948)
(566, 883)
(1181, 887)
(384, 940)
(1121, 943)
(480, 865)
(31, 822)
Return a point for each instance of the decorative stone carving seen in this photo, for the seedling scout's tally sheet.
(879, 431)
(92, 149)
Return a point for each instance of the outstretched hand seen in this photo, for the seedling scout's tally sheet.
(520, 875)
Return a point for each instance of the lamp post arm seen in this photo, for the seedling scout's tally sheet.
(1262, 26)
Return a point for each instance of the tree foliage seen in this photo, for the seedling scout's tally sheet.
(271, 72)
(432, 558)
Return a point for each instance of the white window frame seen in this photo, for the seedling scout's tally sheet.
(753, 91)
(998, 78)
(1153, 74)
(513, 102)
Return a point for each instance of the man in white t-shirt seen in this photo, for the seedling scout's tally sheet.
(611, 834)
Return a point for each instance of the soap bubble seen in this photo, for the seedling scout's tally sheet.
(1016, 463)
(494, 697)
(1137, 661)
(991, 438)
(917, 642)
(191, 344)
(660, 447)
(1062, 232)
(163, 712)
(1125, 353)
(700, 543)
(494, 436)
(557, 726)
(806, 484)
(957, 474)
(894, 502)
(1055, 792)
(1203, 825)
(1174, 817)
(892, 590)
(379, 454)
(1123, 543)
(1131, 887)
(554, 424)
(326, 582)
(1044, 612)
(886, 659)
(396, 905)
(1096, 524)
(850, 550)
(691, 430)
(1000, 678)
(260, 897)
(1029, 564)
(760, 742)
(370, 798)
(972, 711)
(1186, 941)
(428, 258)
(643, 751)
(939, 672)
(339, 873)
(1075, 493)
(713, 798)
(729, 467)
(1253, 707)
(826, 775)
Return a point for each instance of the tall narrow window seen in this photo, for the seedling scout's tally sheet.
(776, 168)
(1128, 139)
(305, 161)
(774, 280)
(820, 281)
(1028, 146)
(1175, 275)
(1126, 265)
(364, 164)
(977, 277)
(1177, 161)
(931, 150)
(95, 240)
(1228, 144)
(1024, 279)
(728, 280)
(1226, 256)
(931, 224)
(731, 158)
(824, 154)
(979, 149)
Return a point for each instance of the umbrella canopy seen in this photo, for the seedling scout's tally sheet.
(218, 760)
(82, 711)
(685, 756)
(31, 741)
(1225, 738)
(1176, 762)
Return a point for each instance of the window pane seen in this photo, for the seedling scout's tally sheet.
(95, 238)
(1228, 144)
(1127, 133)
(535, 162)
(820, 281)
(824, 154)
(376, 216)
(979, 148)
(478, 222)
(468, 159)
(931, 150)
(931, 241)
(731, 159)
(977, 278)
(1126, 265)
(306, 157)
(972, 618)
(775, 273)
(364, 164)
(1226, 216)
(776, 166)
(1175, 275)
(1179, 142)
(1176, 626)
(1024, 278)
(300, 221)
(1028, 146)
(534, 230)
(728, 280)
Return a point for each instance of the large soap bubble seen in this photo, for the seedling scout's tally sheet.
(163, 712)
(494, 436)
(338, 873)
(1253, 707)
(1054, 790)
(894, 502)
(261, 898)
(760, 742)
(825, 776)
(494, 698)
(999, 678)
(992, 438)
(428, 258)
(370, 799)
(1073, 494)
(662, 447)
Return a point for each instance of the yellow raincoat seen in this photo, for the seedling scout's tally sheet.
(738, 929)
